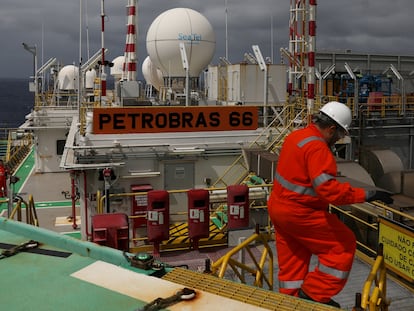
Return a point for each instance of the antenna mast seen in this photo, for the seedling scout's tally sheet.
(130, 62)
(302, 47)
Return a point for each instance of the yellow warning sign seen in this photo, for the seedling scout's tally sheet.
(398, 242)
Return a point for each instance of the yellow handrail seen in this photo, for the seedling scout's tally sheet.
(31, 214)
(378, 275)
(17, 149)
(257, 269)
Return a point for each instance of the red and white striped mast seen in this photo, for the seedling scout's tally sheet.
(102, 67)
(130, 62)
(302, 47)
(292, 44)
(311, 48)
(297, 46)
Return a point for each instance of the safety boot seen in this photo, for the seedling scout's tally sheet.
(331, 302)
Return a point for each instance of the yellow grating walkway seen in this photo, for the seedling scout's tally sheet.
(241, 292)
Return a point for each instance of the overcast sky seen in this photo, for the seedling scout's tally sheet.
(374, 26)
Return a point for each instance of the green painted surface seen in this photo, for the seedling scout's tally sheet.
(76, 235)
(23, 172)
(31, 281)
(220, 219)
(42, 282)
(47, 204)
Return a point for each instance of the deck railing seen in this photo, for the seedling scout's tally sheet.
(257, 201)
(374, 295)
(18, 146)
(357, 213)
(261, 270)
(31, 214)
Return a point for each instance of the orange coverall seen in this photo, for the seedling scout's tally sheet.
(304, 186)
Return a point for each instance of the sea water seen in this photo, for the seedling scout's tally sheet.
(16, 101)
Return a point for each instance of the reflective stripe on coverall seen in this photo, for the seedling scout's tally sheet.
(304, 186)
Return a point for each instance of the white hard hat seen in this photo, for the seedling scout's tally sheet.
(338, 112)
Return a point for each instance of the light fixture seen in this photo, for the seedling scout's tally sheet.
(187, 150)
(142, 173)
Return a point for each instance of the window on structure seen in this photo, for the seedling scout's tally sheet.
(60, 146)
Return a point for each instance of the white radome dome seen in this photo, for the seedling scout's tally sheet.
(152, 74)
(171, 28)
(118, 67)
(90, 76)
(68, 78)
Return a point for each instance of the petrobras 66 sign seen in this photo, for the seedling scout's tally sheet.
(173, 119)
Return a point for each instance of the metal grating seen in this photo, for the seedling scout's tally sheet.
(241, 292)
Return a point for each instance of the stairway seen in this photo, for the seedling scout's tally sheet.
(18, 154)
(284, 121)
(3, 149)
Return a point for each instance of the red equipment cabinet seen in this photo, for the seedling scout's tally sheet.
(238, 206)
(111, 230)
(158, 217)
(198, 215)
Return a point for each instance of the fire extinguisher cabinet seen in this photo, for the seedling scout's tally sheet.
(237, 206)
(158, 217)
(198, 215)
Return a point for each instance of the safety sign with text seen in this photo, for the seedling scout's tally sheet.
(173, 119)
(398, 243)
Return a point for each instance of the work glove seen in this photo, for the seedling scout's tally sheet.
(374, 195)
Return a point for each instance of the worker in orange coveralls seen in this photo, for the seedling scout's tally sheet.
(304, 186)
(3, 180)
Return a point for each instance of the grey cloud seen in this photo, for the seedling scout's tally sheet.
(380, 26)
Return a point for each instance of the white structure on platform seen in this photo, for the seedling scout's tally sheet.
(68, 78)
(174, 27)
(245, 82)
(152, 74)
